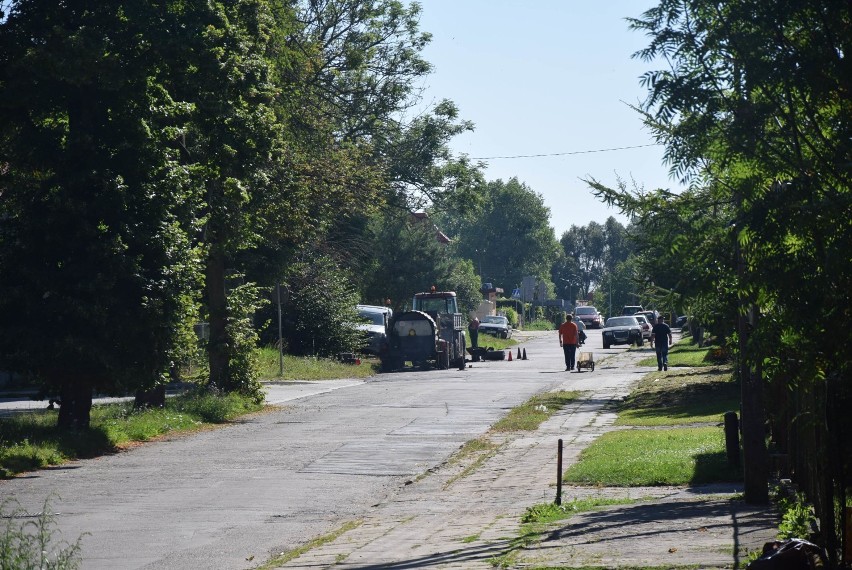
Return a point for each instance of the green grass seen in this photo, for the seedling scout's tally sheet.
(310, 368)
(487, 340)
(681, 396)
(32, 441)
(649, 457)
(550, 512)
(540, 325)
(684, 353)
(529, 415)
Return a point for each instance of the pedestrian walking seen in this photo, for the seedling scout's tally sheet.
(569, 338)
(473, 329)
(661, 336)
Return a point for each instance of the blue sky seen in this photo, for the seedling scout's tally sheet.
(546, 77)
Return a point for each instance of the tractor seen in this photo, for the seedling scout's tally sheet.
(432, 334)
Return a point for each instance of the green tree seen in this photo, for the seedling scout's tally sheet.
(753, 106)
(320, 309)
(97, 266)
(410, 257)
(511, 237)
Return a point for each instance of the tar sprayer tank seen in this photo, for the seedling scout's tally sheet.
(432, 334)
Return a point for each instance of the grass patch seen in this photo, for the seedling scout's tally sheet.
(486, 340)
(544, 513)
(285, 557)
(529, 415)
(311, 368)
(540, 325)
(649, 457)
(685, 353)
(32, 441)
(681, 396)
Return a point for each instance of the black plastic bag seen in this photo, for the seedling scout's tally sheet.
(790, 554)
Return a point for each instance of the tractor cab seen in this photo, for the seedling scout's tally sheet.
(436, 303)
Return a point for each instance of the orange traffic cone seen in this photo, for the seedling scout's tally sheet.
(525, 354)
(510, 356)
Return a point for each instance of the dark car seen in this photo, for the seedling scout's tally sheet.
(622, 330)
(496, 325)
(589, 316)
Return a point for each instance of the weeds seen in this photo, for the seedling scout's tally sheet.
(33, 544)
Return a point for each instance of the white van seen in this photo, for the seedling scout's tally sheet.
(376, 320)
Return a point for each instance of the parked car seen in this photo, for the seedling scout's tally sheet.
(680, 322)
(496, 325)
(646, 326)
(622, 330)
(629, 310)
(590, 316)
(374, 323)
(651, 316)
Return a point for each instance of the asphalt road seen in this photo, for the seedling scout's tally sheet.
(230, 497)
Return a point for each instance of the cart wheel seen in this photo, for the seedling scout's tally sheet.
(592, 366)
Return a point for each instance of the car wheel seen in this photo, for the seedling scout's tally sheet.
(504, 335)
(606, 345)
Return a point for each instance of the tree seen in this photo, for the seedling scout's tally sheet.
(753, 106)
(97, 267)
(409, 258)
(320, 309)
(512, 237)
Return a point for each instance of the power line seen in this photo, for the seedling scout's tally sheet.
(563, 153)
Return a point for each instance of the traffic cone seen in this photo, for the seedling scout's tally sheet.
(525, 354)
(519, 353)
(510, 356)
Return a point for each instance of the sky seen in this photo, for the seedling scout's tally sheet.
(551, 77)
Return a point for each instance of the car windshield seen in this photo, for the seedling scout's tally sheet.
(494, 320)
(374, 318)
(621, 322)
(586, 311)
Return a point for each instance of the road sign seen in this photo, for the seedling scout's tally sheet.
(516, 293)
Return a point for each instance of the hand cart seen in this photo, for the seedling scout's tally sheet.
(586, 360)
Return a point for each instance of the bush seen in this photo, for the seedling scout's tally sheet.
(540, 325)
(512, 315)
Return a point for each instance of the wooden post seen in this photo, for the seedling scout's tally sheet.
(559, 474)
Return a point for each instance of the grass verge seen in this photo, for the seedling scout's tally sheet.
(685, 353)
(681, 396)
(648, 457)
(311, 368)
(32, 441)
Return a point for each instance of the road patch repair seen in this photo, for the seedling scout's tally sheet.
(445, 521)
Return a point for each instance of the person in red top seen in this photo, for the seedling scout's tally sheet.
(569, 338)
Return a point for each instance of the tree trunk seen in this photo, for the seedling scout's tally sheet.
(218, 347)
(75, 406)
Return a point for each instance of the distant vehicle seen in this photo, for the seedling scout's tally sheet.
(680, 322)
(629, 310)
(646, 326)
(589, 315)
(496, 325)
(375, 325)
(622, 330)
